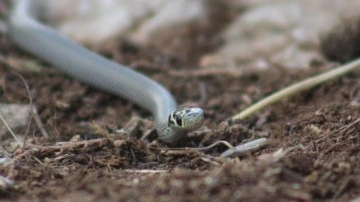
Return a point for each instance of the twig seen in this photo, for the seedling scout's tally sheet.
(201, 72)
(296, 88)
(12, 133)
(34, 114)
(38, 160)
(71, 145)
(245, 148)
(31, 104)
(338, 130)
(340, 189)
(144, 171)
(211, 159)
(12, 162)
(227, 144)
(38, 122)
(206, 72)
(32, 150)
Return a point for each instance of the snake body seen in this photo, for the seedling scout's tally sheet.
(77, 61)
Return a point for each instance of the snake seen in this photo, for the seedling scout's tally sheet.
(35, 37)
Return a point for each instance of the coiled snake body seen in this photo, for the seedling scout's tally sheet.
(40, 40)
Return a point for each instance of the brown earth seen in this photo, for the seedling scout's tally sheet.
(318, 130)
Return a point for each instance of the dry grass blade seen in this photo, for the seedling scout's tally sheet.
(296, 88)
(227, 144)
(32, 150)
(338, 130)
(34, 113)
(9, 129)
(146, 171)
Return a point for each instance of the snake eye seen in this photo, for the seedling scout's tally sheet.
(178, 120)
(186, 118)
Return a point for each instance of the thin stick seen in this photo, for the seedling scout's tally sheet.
(144, 171)
(338, 130)
(34, 113)
(227, 144)
(296, 88)
(31, 104)
(12, 133)
(32, 150)
(38, 122)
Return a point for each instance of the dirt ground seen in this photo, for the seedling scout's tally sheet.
(313, 153)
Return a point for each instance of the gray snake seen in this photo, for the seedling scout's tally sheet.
(31, 35)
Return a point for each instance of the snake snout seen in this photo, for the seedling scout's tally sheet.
(187, 118)
(196, 118)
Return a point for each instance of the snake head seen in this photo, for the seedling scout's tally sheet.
(186, 119)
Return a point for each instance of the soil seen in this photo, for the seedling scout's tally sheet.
(313, 153)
